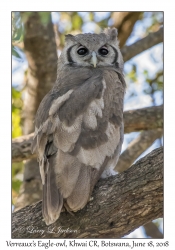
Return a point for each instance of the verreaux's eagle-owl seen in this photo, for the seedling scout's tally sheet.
(79, 123)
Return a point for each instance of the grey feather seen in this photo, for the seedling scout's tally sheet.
(79, 123)
(81, 192)
(52, 199)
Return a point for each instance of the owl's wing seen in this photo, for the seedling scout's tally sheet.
(77, 135)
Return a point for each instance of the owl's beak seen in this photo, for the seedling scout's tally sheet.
(94, 59)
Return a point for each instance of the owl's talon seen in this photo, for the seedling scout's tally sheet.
(66, 208)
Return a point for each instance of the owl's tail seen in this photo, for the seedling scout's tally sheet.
(52, 199)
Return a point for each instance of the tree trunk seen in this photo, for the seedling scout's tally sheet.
(40, 50)
(136, 148)
(119, 204)
(41, 53)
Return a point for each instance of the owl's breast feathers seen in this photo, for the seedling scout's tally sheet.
(80, 123)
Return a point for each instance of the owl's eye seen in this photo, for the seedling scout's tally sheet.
(103, 51)
(82, 51)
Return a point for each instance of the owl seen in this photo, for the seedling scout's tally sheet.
(79, 123)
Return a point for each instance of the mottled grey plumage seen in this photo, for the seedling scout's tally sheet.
(79, 123)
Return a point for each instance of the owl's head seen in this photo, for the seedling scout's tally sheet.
(92, 50)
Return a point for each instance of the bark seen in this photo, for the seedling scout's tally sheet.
(119, 204)
(152, 231)
(124, 22)
(138, 47)
(41, 53)
(136, 148)
(143, 119)
(134, 120)
(30, 193)
(21, 148)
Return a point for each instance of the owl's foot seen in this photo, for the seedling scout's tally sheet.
(67, 208)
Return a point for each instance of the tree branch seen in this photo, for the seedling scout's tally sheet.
(143, 119)
(119, 205)
(21, 148)
(152, 230)
(136, 148)
(149, 41)
(134, 120)
(124, 22)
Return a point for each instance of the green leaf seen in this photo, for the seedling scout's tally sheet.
(17, 167)
(45, 17)
(17, 104)
(17, 27)
(76, 22)
(16, 185)
(103, 23)
(15, 53)
(91, 16)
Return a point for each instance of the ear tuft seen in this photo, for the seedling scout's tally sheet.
(112, 33)
(69, 37)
